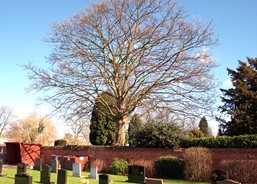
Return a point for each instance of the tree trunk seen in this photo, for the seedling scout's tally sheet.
(120, 137)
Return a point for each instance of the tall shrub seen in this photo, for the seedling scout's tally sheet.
(198, 164)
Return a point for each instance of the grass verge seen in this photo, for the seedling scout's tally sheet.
(116, 179)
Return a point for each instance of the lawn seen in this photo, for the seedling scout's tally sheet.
(116, 179)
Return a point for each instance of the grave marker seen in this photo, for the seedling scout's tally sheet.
(218, 175)
(76, 169)
(136, 174)
(23, 178)
(104, 179)
(55, 165)
(1, 169)
(62, 177)
(45, 175)
(153, 181)
(93, 173)
(21, 168)
(38, 164)
(228, 182)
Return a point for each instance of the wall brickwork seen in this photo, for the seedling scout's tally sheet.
(101, 157)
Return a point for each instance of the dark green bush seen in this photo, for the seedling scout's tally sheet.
(160, 135)
(60, 142)
(241, 141)
(119, 166)
(170, 167)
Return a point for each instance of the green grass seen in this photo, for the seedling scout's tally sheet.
(116, 179)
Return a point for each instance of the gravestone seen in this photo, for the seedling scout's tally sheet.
(76, 169)
(23, 178)
(136, 174)
(62, 177)
(21, 168)
(45, 175)
(93, 173)
(228, 182)
(55, 165)
(1, 169)
(218, 175)
(104, 179)
(153, 181)
(38, 164)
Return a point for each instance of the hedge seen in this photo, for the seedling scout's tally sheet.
(242, 141)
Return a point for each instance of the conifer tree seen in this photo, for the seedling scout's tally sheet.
(135, 127)
(103, 126)
(203, 126)
(240, 101)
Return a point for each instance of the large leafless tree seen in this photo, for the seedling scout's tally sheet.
(6, 118)
(146, 53)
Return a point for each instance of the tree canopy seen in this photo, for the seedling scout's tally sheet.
(240, 101)
(147, 53)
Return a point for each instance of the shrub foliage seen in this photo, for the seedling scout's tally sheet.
(119, 166)
(60, 142)
(170, 167)
(242, 171)
(242, 141)
(198, 164)
(160, 135)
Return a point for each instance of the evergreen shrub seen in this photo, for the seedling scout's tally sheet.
(60, 142)
(119, 166)
(241, 141)
(170, 167)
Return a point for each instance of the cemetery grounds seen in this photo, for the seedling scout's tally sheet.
(116, 179)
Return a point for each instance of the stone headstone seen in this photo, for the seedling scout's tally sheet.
(45, 174)
(218, 175)
(1, 169)
(76, 169)
(62, 177)
(93, 173)
(23, 178)
(21, 168)
(104, 179)
(55, 165)
(136, 174)
(153, 181)
(228, 182)
(38, 164)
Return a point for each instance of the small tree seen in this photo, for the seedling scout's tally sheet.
(6, 118)
(103, 126)
(135, 127)
(203, 126)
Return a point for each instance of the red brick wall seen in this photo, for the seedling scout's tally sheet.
(29, 152)
(101, 157)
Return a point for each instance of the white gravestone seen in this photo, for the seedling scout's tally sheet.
(93, 173)
(76, 169)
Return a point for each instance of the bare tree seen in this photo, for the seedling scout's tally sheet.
(34, 128)
(6, 118)
(78, 126)
(145, 53)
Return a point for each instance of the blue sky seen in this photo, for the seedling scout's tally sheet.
(24, 23)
